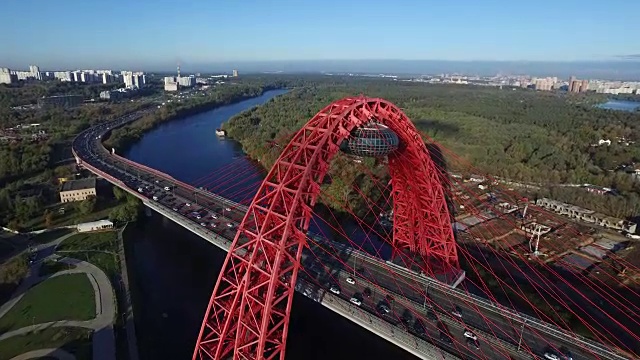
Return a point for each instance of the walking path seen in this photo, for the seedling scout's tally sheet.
(104, 347)
(130, 328)
(37, 354)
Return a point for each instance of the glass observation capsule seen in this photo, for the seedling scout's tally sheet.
(372, 140)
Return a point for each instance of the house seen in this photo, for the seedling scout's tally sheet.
(77, 190)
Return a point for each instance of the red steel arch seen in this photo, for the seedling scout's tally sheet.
(248, 314)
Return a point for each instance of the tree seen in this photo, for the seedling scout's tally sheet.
(48, 218)
(88, 205)
(127, 212)
(119, 193)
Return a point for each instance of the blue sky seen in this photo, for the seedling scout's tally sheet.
(76, 33)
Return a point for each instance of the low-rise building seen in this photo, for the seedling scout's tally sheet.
(95, 226)
(586, 215)
(65, 101)
(77, 190)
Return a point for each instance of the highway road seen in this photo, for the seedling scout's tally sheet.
(501, 334)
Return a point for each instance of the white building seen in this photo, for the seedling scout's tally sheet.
(86, 77)
(106, 78)
(127, 76)
(189, 81)
(95, 226)
(6, 77)
(133, 79)
(35, 72)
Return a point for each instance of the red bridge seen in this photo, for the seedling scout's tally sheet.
(418, 297)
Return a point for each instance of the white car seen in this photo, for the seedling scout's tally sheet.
(355, 301)
(456, 312)
(188, 204)
(214, 216)
(203, 224)
(351, 281)
(213, 225)
(470, 335)
(227, 209)
(230, 225)
(551, 356)
(334, 289)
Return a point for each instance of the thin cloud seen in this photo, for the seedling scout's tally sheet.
(629, 57)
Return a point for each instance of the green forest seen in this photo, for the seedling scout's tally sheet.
(519, 134)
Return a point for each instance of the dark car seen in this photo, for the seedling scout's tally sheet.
(446, 338)
(367, 292)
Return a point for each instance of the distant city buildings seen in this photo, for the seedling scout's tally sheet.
(524, 81)
(133, 79)
(6, 77)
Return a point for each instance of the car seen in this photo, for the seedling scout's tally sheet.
(227, 209)
(213, 225)
(457, 311)
(334, 289)
(155, 198)
(188, 204)
(175, 208)
(473, 343)
(383, 308)
(419, 327)
(446, 338)
(470, 335)
(354, 300)
(198, 216)
(229, 225)
(351, 281)
(406, 316)
(203, 224)
(166, 188)
(214, 216)
(551, 356)
(367, 292)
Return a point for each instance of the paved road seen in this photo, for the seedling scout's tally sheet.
(507, 330)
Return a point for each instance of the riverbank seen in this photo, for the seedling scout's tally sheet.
(124, 137)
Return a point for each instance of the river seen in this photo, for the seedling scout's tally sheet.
(620, 105)
(173, 271)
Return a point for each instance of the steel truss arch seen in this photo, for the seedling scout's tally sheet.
(248, 313)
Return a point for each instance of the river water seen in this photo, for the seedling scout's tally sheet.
(173, 271)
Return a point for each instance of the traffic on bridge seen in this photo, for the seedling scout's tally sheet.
(427, 317)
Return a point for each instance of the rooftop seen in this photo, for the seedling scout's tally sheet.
(72, 185)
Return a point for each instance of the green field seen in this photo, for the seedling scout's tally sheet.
(65, 297)
(97, 248)
(51, 267)
(76, 341)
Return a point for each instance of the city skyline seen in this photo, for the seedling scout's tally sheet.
(157, 36)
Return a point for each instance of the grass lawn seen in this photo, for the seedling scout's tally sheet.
(74, 340)
(105, 241)
(66, 297)
(49, 236)
(52, 267)
(91, 247)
